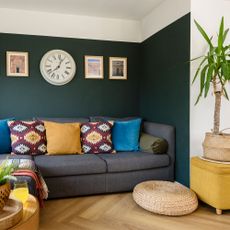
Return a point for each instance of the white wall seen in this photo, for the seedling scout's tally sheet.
(76, 26)
(166, 13)
(208, 13)
(63, 25)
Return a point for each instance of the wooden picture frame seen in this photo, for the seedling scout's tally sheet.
(17, 64)
(94, 67)
(118, 68)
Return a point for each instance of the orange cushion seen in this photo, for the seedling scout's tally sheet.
(63, 138)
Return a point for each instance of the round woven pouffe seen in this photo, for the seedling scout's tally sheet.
(166, 198)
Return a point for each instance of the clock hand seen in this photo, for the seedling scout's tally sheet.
(55, 69)
(61, 61)
(58, 65)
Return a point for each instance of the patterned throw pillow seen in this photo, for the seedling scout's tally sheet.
(27, 137)
(96, 137)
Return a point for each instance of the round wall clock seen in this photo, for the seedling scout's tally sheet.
(57, 67)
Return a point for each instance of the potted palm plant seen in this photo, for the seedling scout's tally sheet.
(214, 73)
(6, 169)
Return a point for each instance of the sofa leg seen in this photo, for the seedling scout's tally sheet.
(218, 211)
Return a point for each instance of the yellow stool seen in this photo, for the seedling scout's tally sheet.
(211, 182)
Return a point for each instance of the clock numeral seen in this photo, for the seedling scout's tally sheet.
(68, 67)
(66, 72)
(63, 76)
(59, 57)
(49, 71)
(54, 57)
(57, 77)
(52, 75)
(47, 66)
(67, 62)
(49, 60)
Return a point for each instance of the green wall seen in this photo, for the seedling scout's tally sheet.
(33, 96)
(164, 94)
(157, 87)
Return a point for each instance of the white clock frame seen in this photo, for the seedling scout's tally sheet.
(46, 75)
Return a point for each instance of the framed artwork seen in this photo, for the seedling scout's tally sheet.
(94, 67)
(118, 68)
(17, 64)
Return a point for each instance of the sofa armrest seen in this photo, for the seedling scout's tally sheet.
(164, 131)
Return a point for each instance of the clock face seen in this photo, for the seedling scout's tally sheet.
(57, 67)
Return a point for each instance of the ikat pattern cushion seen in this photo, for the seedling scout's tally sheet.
(27, 137)
(96, 137)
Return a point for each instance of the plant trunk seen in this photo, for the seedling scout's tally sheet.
(216, 128)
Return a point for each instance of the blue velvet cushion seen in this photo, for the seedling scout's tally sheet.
(5, 141)
(125, 135)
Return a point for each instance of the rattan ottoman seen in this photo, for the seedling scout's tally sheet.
(166, 198)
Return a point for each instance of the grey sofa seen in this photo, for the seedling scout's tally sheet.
(75, 175)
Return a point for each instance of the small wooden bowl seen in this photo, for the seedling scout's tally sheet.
(11, 214)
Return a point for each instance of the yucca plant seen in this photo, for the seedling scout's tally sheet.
(6, 170)
(214, 70)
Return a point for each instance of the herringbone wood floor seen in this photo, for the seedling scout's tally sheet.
(119, 212)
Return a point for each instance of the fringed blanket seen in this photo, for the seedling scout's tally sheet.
(26, 167)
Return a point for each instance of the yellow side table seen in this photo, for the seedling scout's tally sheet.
(30, 218)
(211, 182)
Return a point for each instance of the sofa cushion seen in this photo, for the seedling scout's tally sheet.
(132, 161)
(5, 143)
(69, 165)
(106, 118)
(153, 144)
(63, 120)
(96, 137)
(27, 137)
(63, 138)
(125, 135)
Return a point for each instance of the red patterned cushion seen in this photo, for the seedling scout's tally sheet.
(27, 137)
(96, 137)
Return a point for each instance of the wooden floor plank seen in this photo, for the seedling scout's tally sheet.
(120, 212)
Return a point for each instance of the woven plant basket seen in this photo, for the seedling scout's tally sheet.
(4, 194)
(217, 147)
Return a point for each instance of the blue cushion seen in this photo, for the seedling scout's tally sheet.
(125, 135)
(5, 143)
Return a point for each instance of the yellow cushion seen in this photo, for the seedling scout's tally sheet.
(211, 182)
(63, 138)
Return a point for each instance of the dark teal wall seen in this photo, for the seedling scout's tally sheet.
(164, 95)
(157, 87)
(33, 96)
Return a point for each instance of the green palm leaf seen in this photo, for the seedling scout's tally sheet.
(203, 33)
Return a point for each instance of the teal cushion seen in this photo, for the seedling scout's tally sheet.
(125, 135)
(5, 141)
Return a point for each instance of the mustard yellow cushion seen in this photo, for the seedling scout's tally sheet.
(63, 138)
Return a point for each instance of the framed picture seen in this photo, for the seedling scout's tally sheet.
(17, 64)
(94, 67)
(118, 68)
